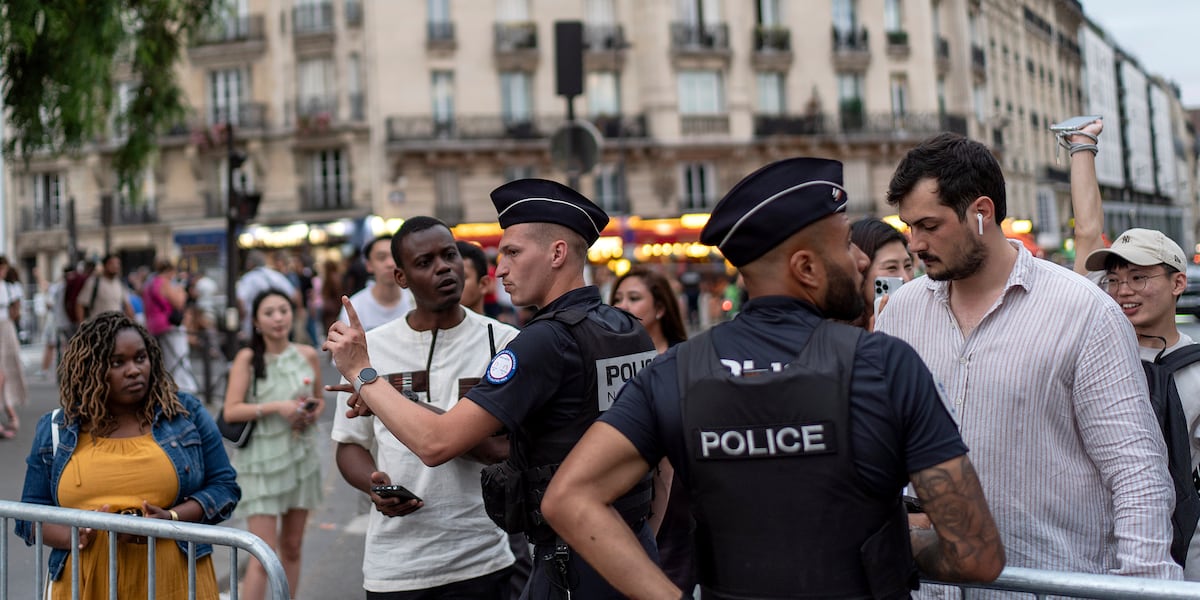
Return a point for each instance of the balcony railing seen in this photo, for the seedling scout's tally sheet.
(697, 37)
(513, 37)
(850, 40)
(326, 197)
(311, 106)
(33, 219)
(853, 121)
(358, 107)
(125, 213)
(230, 30)
(310, 19)
(497, 127)
(247, 115)
(704, 124)
(439, 33)
(214, 205)
(772, 39)
(604, 38)
(354, 13)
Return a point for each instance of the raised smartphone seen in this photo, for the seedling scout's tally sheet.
(885, 285)
(1074, 123)
(394, 491)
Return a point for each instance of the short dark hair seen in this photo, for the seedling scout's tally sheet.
(964, 170)
(411, 226)
(474, 254)
(870, 234)
(366, 249)
(1115, 261)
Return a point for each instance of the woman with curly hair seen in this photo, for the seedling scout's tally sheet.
(128, 442)
(277, 384)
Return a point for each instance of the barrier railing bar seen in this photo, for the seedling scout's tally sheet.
(4, 560)
(39, 572)
(233, 568)
(151, 563)
(75, 563)
(193, 532)
(112, 566)
(1043, 583)
(191, 570)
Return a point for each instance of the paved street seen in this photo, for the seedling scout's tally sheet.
(333, 544)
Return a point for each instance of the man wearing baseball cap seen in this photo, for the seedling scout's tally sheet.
(793, 433)
(1146, 272)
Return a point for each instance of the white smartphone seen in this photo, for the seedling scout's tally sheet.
(1074, 123)
(885, 285)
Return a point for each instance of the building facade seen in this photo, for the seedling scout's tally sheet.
(353, 114)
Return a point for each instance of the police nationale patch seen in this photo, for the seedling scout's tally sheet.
(502, 368)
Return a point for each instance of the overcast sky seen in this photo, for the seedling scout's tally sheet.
(1164, 36)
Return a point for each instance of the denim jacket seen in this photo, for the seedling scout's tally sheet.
(191, 442)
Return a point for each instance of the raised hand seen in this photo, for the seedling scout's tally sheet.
(348, 343)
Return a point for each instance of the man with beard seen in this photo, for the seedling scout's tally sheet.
(450, 548)
(1042, 372)
(794, 434)
(545, 388)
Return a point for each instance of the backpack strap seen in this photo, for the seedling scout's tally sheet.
(1179, 358)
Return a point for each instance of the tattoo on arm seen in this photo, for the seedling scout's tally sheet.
(964, 542)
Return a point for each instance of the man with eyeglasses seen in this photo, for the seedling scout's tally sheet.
(1146, 272)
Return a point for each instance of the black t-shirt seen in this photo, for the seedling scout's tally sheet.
(898, 422)
(543, 364)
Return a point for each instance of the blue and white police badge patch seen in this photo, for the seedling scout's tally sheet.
(502, 368)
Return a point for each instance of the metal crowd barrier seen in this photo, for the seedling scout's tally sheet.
(152, 529)
(1042, 584)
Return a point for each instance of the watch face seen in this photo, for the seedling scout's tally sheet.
(367, 375)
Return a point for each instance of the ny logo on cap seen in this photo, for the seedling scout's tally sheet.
(1125, 239)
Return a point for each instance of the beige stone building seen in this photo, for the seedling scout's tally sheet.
(352, 112)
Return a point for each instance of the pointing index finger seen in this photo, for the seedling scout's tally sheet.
(351, 314)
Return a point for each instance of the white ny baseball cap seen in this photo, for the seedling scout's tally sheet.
(1141, 247)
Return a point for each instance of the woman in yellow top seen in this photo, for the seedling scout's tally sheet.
(127, 442)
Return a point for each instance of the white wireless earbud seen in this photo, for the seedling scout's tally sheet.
(979, 217)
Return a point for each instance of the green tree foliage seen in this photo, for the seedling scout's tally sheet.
(57, 64)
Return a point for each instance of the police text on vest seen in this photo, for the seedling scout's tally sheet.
(767, 442)
(612, 373)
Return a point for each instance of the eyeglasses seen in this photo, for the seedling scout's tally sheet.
(1136, 282)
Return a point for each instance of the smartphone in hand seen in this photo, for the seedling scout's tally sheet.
(394, 491)
(886, 285)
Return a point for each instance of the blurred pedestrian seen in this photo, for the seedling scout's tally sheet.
(166, 300)
(887, 249)
(476, 280)
(13, 392)
(383, 300)
(127, 442)
(105, 290)
(258, 278)
(331, 293)
(276, 384)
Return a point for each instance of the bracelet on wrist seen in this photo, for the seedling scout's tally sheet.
(258, 411)
(174, 515)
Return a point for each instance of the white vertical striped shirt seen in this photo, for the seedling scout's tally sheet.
(1052, 402)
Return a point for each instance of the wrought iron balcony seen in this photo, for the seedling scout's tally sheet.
(35, 218)
(897, 43)
(127, 213)
(772, 39)
(246, 115)
(851, 49)
(326, 197)
(604, 38)
(697, 37)
(496, 127)
(515, 37)
(229, 30)
(439, 34)
(853, 120)
(308, 19)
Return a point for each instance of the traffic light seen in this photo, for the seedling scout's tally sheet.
(247, 205)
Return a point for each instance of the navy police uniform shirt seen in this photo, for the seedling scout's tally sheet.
(542, 364)
(898, 423)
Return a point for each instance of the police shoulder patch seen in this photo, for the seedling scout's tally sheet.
(502, 368)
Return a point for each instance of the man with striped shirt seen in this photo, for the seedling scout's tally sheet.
(1041, 370)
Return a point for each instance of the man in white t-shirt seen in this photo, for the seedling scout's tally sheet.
(383, 300)
(444, 545)
(104, 291)
(1146, 272)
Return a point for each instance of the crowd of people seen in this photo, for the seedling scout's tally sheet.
(523, 429)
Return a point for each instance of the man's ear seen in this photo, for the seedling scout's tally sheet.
(559, 251)
(806, 268)
(400, 277)
(485, 282)
(1178, 284)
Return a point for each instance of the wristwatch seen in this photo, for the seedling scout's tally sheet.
(365, 376)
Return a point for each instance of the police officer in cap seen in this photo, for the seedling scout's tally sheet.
(794, 434)
(545, 388)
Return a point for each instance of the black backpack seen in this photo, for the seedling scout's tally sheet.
(1160, 375)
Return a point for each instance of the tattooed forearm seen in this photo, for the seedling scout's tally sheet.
(964, 544)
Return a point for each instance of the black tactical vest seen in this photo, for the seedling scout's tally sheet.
(780, 509)
(609, 360)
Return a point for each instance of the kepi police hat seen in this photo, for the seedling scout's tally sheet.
(545, 201)
(771, 204)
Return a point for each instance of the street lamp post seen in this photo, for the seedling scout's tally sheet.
(232, 319)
